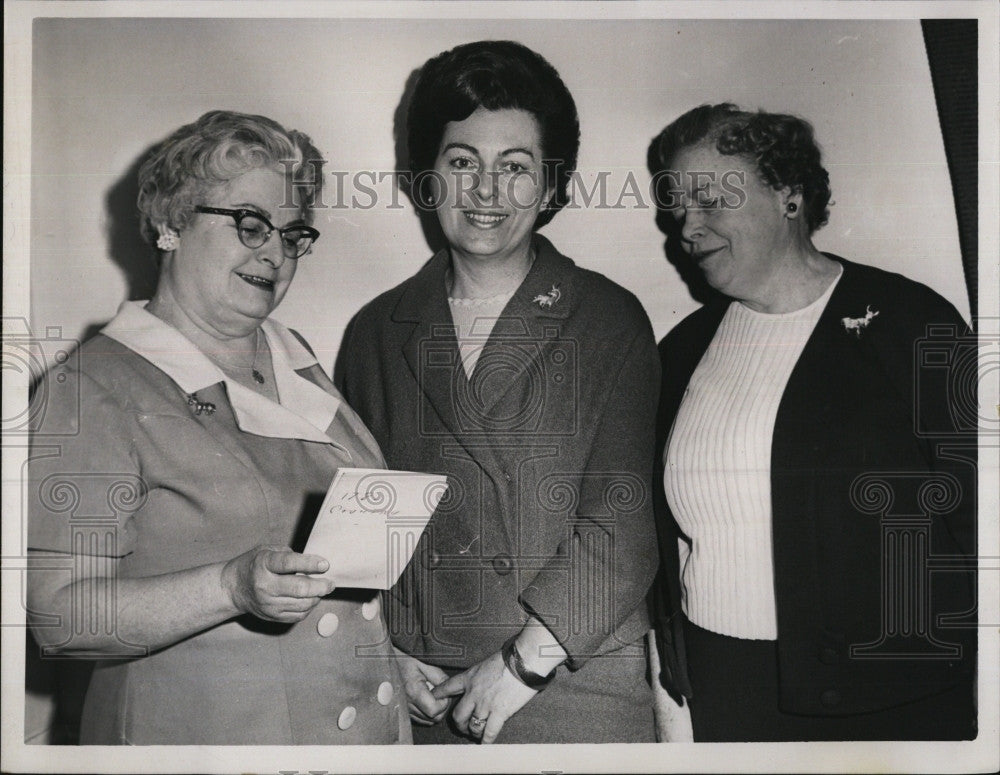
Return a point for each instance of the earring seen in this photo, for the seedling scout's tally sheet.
(792, 207)
(167, 241)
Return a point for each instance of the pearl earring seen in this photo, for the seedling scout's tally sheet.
(167, 242)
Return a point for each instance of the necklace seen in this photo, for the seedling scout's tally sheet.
(449, 281)
(258, 377)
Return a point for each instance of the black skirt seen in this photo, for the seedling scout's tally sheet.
(735, 699)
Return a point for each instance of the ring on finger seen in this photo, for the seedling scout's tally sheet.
(477, 723)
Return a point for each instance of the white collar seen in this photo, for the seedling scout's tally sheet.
(305, 411)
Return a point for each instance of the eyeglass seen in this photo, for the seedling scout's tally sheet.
(253, 230)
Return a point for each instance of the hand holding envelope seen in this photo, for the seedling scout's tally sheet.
(370, 522)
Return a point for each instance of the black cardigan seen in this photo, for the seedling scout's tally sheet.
(873, 462)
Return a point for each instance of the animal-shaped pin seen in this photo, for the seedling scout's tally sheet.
(546, 300)
(858, 324)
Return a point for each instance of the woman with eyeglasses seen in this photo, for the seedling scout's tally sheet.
(160, 532)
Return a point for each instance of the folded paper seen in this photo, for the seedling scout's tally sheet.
(370, 522)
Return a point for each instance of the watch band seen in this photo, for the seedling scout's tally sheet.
(515, 663)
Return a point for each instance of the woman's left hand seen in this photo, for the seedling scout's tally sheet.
(491, 693)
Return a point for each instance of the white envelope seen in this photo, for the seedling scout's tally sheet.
(370, 522)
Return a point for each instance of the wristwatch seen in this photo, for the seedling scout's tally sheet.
(515, 663)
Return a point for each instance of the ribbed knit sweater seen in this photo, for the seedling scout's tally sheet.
(718, 468)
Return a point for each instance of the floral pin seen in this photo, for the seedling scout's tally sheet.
(547, 300)
(858, 324)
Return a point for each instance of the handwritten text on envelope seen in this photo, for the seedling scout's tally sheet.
(370, 522)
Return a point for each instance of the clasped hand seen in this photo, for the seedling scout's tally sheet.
(489, 691)
(265, 582)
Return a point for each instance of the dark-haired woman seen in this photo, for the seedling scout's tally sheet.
(808, 492)
(532, 383)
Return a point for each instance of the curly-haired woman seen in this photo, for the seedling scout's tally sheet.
(206, 428)
(792, 406)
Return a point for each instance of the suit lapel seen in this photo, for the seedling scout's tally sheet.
(430, 348)
(833, 356)
(515, 351)
(823, 392)
(513, 360)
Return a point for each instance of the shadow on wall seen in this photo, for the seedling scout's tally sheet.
(692, 276)
(429, 223)
(126, 247)
(53, 696)
(404, 175)
(133, 256)
(54, 688)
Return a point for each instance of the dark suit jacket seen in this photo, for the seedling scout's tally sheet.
(873, 492)
(548, 450)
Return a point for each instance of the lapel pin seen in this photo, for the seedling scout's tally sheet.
(857, 325)
(547, 300)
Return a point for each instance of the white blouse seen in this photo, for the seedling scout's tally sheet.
(718, 468)
(474, 321)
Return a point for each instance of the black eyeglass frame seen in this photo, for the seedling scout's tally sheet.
(242, 213)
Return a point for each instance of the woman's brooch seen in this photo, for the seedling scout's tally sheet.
(546, 300)
(200, 407)
(858, 324)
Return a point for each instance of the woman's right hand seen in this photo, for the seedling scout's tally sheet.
(264, 582)
(418, 680)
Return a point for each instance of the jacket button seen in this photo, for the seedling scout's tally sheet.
(431, 560)
(369, 610)
(385, 692)
(347, 716)
(829, 656)
(502, 564)
(830, 698)
(327, 624)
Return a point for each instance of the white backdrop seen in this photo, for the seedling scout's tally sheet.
(106, 89)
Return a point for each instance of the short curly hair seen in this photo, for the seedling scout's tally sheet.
(496, 75)
(782, 147)
(220, 146)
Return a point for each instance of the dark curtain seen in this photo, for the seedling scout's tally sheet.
(953, 54)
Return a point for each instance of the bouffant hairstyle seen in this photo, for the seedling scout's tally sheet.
(782, 147)
(495, 75)
(220, 146)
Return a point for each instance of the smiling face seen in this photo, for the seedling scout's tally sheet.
(494, 183)
(732, 224)
(221, 286)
